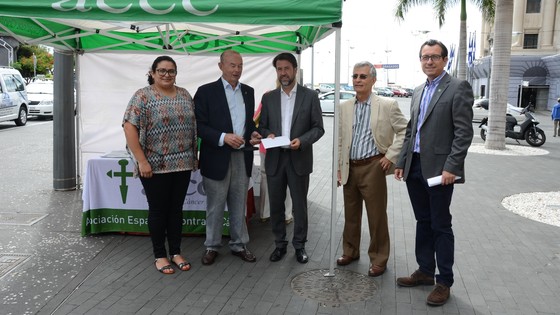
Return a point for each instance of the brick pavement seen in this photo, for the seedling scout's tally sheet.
(505, 264)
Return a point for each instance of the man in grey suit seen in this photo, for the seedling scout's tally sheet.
(294, 111)
(437, 139)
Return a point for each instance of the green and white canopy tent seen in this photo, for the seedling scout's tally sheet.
(111, 29)
(187, 26)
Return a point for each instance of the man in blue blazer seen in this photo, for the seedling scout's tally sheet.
(436, 142)
(294, 111)
(224, 115)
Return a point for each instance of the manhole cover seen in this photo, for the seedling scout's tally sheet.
(10, 261)
(345, 287)
(12, 218)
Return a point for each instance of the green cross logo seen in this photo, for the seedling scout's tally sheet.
(123, 174)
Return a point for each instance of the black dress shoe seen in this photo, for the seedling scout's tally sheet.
(301, 256)
(277, 254)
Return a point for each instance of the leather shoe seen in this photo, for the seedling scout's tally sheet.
(439, 295)
(376, 271)
(345, 260)
(209, 257)
(416, 278)
(277, 254)
(245, 255)
(301, 256)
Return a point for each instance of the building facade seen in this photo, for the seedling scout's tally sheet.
(8, 48)
(535, 56)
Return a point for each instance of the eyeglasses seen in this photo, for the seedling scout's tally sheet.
(162, 72)
(425, 58)
(361, 76)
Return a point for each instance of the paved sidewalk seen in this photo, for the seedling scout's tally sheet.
(505, 264)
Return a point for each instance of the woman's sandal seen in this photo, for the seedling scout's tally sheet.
(166, 270)
(184, 266)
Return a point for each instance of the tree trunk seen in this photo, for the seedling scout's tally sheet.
(499, 82)
(462, 51)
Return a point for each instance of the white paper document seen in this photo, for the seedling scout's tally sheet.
(120, 154)
(434, 181)
(276, 142)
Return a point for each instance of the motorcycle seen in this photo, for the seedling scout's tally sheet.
(528, 130)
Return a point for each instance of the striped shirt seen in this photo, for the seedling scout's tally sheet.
(363, 144)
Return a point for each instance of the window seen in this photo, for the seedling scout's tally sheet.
(530, 41)
(11, 85)
(533, 6)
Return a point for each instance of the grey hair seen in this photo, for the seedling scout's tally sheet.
(372, 70)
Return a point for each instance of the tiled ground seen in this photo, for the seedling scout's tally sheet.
(505, 264)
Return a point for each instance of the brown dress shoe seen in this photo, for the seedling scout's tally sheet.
(245, 255)
(376, 271)
(416, 278)
(209, 257)
(439, 295)
(345, 260)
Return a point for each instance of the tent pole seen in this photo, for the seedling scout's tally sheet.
(332, 250)
(64, 140)
(313, 67)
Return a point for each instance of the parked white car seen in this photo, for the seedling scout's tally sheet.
(324, 88)
(327, 100)
(13, 96)
(40, 95)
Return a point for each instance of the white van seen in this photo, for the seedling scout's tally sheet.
(13, 96)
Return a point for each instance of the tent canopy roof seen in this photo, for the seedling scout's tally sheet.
(186, 26)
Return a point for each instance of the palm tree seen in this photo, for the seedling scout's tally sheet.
(501, 57)
(441, 7)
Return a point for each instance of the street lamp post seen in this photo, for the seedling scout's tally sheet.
(34, 66)
(348, 60)
(387, 51)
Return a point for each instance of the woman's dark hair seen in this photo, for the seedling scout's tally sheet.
(155, 64)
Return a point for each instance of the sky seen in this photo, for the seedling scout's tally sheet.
(371, 32)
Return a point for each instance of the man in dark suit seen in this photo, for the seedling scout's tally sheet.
(294, 111)
(436, 142)
(224, 115)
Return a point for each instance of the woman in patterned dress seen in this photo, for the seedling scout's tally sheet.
(160, 129)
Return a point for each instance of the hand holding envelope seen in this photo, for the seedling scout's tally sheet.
(275, 142)
(436, 180)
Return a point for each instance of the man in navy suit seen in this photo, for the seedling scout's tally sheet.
(224, 115)
(293, 111)
(436, 142)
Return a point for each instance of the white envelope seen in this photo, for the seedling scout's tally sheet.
(434, 181)
(276, 142)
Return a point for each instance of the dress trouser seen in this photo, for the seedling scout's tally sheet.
(230, 191)
(286, 176)
(366, 183)
(166, 195)
(264, 202)
(435, 242)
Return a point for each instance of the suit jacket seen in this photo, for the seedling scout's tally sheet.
(445, 134)
(388, 126)
(213, 118)
(307, 125)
